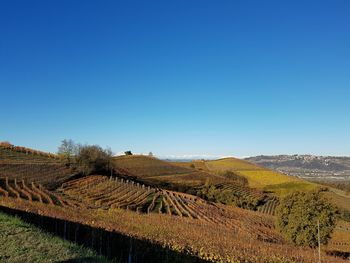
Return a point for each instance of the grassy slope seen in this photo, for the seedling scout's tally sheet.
(259, 177)
(340, 200)
(21, 242)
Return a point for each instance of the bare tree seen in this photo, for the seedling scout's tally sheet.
(67, 150)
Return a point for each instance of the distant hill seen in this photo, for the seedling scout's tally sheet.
(307, 166)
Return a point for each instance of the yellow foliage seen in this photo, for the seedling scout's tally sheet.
(259, 177)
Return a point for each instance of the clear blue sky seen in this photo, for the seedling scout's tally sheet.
(177, 77)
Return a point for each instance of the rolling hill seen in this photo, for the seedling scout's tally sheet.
(134, 204)
(154, 171)
(32, 166)
(257, 176)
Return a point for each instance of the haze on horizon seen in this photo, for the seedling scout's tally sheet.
(204, 78)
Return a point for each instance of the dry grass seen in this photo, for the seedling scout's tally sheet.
(340, 239)
(340, 201)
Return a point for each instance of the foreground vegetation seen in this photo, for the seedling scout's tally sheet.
(213, 242)
(22, 242)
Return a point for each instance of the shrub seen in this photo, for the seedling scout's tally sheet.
(235, 177)
(93, 159)
(228, 197)
(298, 215)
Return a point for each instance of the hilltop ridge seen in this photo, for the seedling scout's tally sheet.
(307, 166)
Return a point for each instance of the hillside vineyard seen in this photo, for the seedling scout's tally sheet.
(152, 203)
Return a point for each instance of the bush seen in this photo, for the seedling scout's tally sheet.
(128, 153)
(228, 197)
(85, 159)
(93, 159)
(298, 214)
(241, 180)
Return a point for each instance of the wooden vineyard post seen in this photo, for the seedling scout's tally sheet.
(319, 241)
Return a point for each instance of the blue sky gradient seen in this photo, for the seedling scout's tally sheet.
(212, 78)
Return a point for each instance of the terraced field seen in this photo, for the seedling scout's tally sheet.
(242, 190)
(155, 171)
(269, 207)
(107, 193)
(32, 166)
(340, 239)
(195, 174)
(18, 154)
(32, 192)
(145, 166)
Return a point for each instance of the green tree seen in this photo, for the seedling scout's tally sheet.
(298, 215)
(128, 153)
(216, 194)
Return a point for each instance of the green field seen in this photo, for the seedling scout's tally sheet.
(21, 242)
